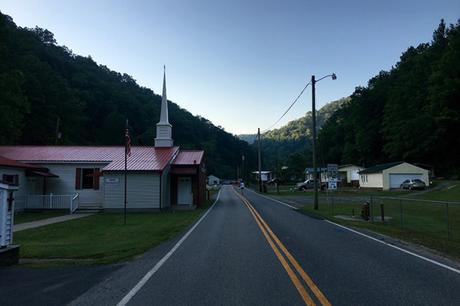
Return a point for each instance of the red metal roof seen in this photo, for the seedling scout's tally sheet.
(142, 158)
(189, 157)
(6, 162)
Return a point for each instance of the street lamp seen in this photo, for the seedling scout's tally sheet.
(313, 115)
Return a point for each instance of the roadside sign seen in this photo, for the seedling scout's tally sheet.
(332, 171)
(332, 184)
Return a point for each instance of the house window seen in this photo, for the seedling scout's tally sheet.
(87, 178)
(11, 179)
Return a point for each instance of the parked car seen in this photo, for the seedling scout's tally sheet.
(274, 181)
(309, 184)
(413, 184)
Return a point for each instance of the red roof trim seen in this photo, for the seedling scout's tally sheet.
(6, 162)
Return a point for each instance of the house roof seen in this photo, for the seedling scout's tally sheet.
(189, 157)
(379, 168)
(142, 158)
(6, 162)
(348, 165)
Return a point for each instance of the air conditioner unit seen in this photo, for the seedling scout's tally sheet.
(6, 214)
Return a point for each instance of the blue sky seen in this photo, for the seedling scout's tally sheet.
(240, 63)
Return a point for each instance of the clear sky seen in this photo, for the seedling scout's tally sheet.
(240, 63)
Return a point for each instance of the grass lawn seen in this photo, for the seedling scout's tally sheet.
(451, 192)
(103, 238)
(23, 217)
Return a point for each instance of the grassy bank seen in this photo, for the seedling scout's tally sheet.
(103, 238)
(425, 223)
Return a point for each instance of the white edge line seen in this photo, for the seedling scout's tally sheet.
(397, 248)
(269, 198)
(158, 265)
(375, 239)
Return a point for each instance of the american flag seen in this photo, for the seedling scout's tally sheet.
(127, 140)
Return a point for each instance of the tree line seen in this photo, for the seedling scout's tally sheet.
(410, 113)
(46, 88)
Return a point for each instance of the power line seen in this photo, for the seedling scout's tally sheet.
(289, 108)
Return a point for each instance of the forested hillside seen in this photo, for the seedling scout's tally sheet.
(290, 145)
(41, 81)
(411, 112)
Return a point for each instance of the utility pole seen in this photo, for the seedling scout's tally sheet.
(260, 162)
(242, 167)
(313, 117)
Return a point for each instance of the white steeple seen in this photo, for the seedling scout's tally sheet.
(164, 129)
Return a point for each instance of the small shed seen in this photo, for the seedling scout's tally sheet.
(349, 174)
(188, 179)
(391, 175)
(265, 175)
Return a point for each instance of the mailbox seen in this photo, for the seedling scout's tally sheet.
(6, 214)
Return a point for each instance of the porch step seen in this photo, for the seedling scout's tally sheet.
(89, 209)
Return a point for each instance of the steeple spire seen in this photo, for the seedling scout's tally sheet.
(164, 128)
(164, 101)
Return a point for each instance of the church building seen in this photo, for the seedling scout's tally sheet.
(93, 177)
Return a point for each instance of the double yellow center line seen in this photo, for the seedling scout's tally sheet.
(276, 246)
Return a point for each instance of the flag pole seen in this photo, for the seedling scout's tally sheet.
(126, 168)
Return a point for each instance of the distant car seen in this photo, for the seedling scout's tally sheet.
(309, 184)
(413, 184)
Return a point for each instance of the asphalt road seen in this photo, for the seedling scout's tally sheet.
(256, 251)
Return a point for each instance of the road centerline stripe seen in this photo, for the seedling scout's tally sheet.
(295, 280)
(160, 263)
(294, 262)
(261, 222)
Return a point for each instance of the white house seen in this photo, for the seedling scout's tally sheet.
(157, 177)
(265, 175)
(391, 175)
(213, 180)
(349, 174)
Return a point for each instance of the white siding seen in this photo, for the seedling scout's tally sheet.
(65, 183)
(352, 172)
(143, 190)
(371, 180)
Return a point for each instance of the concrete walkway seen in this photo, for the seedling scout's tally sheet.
(34, 224)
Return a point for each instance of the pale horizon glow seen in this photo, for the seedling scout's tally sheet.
(240, 64)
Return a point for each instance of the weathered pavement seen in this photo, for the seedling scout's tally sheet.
(227, 260)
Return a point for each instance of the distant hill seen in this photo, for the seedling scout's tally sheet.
(41, 81)
(290, 144)
(301, 128)
(249, 138)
